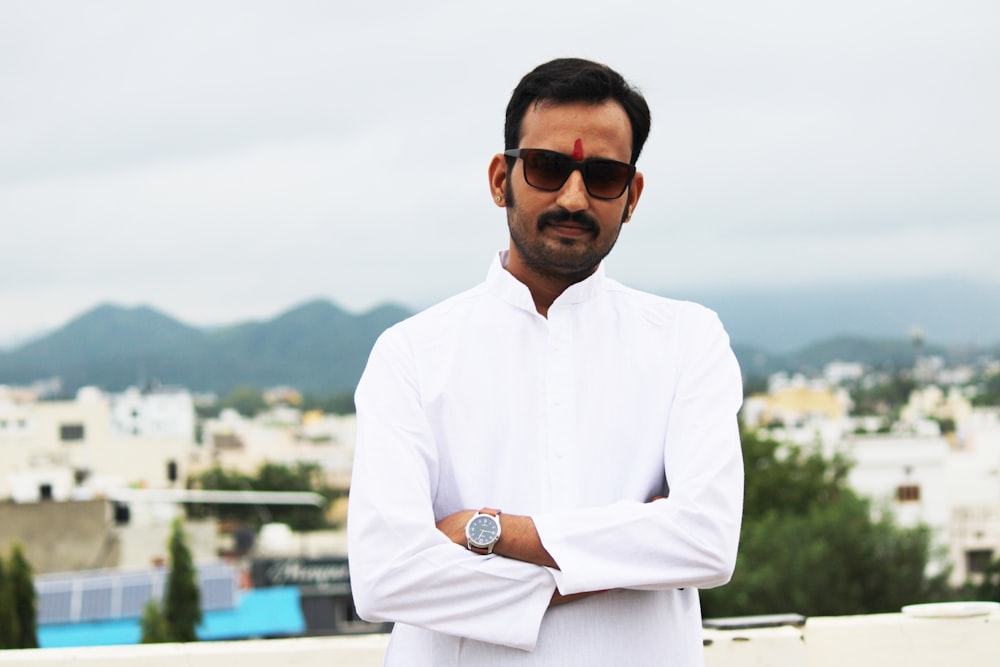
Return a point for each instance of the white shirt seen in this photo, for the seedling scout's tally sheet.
(577, 420)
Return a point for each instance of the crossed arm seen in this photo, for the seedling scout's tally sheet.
(406, 568)
(519, 540)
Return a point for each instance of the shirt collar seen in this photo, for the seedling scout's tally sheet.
(508, 288)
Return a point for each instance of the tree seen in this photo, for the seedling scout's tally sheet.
(810, 545)
(182, 599)
(21, 583)
(339, 404)
(988, 391)
(988, 587)
(221, 479)
(154, 625)
(8, 613)
(300, 477)
(246, 400)
(885, 398)
(18, 602)
(270, 477)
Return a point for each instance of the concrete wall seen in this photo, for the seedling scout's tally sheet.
(58, 537)
(851, 641)
(82, 535)
(894, 639)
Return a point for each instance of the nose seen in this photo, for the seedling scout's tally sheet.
(573, 194)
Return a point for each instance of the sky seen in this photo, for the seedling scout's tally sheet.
(224, 161)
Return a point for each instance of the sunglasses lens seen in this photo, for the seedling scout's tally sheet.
(549, 170)
(545, 169)
(605, 178)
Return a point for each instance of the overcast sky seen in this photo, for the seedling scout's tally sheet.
(223, 161)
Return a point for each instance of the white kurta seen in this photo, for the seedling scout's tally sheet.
(577, 420)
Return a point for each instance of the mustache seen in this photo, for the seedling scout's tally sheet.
(581, 218)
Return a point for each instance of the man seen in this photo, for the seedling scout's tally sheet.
(548, 465)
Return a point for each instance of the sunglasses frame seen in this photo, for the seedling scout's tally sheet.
(575, 165)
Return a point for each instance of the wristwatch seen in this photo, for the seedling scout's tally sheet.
(483, 531)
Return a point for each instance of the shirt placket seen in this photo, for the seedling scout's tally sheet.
(560, 411)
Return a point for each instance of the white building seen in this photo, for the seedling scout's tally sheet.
(907, 474)
(934, 402)
(58, 450)
(838, 372)
(974, 490)
(952, 486)
(284, 436)
(161, 412)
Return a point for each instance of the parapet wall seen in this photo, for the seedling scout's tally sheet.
(851, 641)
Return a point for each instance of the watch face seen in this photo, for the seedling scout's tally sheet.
(483, 530)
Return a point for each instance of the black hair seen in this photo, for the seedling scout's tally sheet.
(568, 80)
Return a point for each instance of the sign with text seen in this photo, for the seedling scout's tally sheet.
(302, 572)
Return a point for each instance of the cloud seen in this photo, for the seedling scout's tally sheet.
(230, 159)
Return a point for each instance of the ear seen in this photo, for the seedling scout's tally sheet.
(634, 192)
(498, 179)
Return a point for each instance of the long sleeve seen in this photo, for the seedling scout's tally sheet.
(402, 568)
(578, 420)
(689, 539)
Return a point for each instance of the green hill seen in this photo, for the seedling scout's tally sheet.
(316, 347)
(319, 348)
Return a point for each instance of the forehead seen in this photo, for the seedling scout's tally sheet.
(603, 129)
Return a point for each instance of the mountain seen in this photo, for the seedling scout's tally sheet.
(107, 345)
(321, 348)
(876, 353)
(949, 311)
(316, 347)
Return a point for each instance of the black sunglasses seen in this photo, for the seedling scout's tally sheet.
(549, 170)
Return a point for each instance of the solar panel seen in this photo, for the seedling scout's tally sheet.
(135, 593)
(109, 594)
(95, 599)
(55, 601)
(218, 590)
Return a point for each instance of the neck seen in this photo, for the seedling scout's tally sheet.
(543, 295)
(544, 288)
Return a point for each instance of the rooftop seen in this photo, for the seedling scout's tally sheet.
(938, 634)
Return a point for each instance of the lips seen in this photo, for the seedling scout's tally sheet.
(578, 222)
(571, 228)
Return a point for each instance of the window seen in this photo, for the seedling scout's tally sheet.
(350, 613)
(71, 432)
(908, 493)
(977, 560)
(123, 514)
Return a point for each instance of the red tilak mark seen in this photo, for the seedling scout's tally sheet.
(578, 150)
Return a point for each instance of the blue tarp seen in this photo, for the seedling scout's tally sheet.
(263, 612)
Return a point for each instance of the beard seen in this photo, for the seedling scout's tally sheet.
(570, 259)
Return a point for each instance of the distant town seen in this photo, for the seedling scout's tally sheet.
(93, 481)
